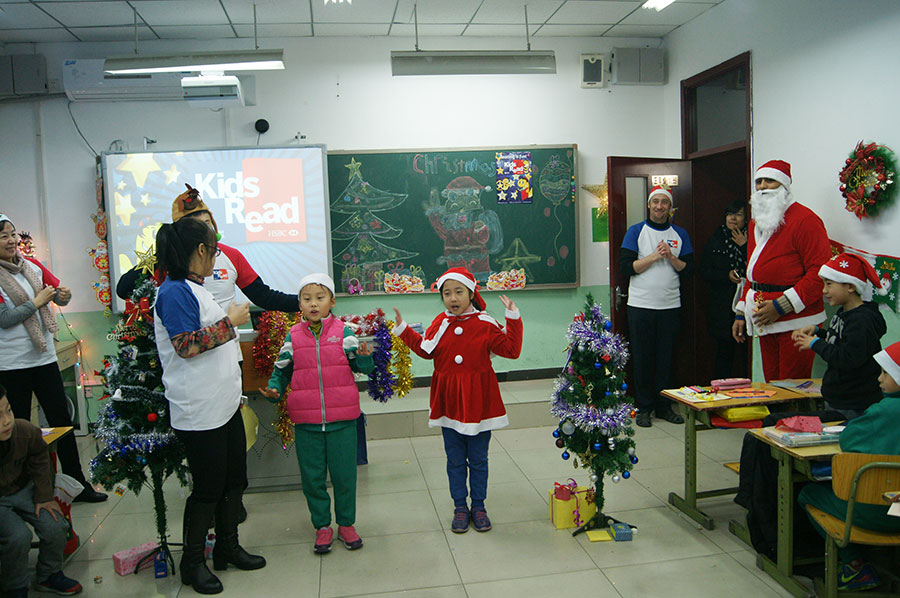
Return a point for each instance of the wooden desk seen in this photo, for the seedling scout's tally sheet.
(794, 464)
(813, 391)
(700, 411)
(55, 435)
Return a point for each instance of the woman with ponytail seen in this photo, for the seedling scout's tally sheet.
(203, 386)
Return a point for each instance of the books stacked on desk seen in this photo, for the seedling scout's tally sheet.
(795, 439)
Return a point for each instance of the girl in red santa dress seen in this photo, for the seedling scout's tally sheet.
(465, 396)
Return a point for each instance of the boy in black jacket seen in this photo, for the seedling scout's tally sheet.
(26, 496)
(850, 383)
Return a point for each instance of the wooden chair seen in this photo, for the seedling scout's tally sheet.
(856, 478)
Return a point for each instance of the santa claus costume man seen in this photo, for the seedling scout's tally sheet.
(783, 292)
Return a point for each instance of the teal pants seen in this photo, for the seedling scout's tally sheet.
(319, 454)
(870, 517)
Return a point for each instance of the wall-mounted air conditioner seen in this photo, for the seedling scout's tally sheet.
(85, 80)
(212, 91)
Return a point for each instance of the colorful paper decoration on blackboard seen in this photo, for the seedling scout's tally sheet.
(557, 181)
(514, 177)
(507, 280)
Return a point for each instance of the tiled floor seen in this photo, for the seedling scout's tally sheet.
(404, 510)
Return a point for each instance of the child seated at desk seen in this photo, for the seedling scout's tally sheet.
(26, 496)
(849, 386)
(874, 432)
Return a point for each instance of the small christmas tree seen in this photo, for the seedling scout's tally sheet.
(133, 422)
(590, 401)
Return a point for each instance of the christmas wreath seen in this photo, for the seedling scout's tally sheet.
(867, 179)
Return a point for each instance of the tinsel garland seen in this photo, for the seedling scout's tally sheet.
(400, 363)
(381, 380)
(272, 330)
(283, 425)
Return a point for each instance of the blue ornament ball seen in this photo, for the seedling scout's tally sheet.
(597, 446)
(556, 433)
(607, 326)
(624, 386)
(626, 474)
(598, 365)
(565, 455)
(634, 460)
(608, 393)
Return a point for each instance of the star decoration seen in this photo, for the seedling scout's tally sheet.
(517, 256)
(145, 198)
(139, 165)
(501, 196)
(146, 260)
(122, 184)
(172, 174)
(124, 209)
(354, 168)
(844, 264)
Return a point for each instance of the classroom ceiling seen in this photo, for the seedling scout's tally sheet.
(45, 21)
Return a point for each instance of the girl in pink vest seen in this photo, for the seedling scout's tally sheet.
(465, 396)
(317, 360)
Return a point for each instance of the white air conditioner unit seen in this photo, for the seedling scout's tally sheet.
(84, 80)
(212, 91)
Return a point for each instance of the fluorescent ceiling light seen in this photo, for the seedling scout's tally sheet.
(473, 63)
(657, 4)
(250, 60)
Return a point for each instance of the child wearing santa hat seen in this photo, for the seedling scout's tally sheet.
(465, 396)
(874, 432)
(850, 383)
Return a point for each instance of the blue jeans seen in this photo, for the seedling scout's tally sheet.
(467, 455)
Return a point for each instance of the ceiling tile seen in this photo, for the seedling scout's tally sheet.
(437, 11)
(349, 29)
(551, 30)
(183, 12)
(584, 12)
(274, 29)
(504, 11)
(111, 34)
(57, 34)
(639, 30)
(430, 30)
(370, 11)
(194, 31)
(85, 14)
(498, 30)
(268, 11)
(678, 13)
(24, 16)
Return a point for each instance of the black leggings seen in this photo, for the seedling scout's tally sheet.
(217, 459)
(47, 385)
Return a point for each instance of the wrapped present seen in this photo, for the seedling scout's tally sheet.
(125, 561)
(573, 512)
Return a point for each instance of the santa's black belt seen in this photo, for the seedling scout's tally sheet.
(768, 288)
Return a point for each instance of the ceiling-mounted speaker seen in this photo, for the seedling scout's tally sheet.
(593, 70)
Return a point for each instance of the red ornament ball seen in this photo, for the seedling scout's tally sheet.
(152, 417)
(843, 188)
(880, 176)
(877, 187)
(870, 159)
(848, 161)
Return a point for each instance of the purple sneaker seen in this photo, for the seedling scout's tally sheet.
(460, 524)
(480, 520)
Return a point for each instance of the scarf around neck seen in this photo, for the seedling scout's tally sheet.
(18, 295)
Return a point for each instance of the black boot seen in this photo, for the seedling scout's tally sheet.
(194, 571)
(227, 549)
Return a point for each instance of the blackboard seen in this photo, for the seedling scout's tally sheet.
(417, 213)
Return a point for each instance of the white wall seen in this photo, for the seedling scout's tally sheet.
(824, 77)
(339, 92)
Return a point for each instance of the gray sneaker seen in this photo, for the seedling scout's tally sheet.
(460, 524)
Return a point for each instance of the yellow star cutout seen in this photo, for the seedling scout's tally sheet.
(121, 185)
(354, 168)
(145, 198)
(124, 209)
(139, 165)
(172, 174)
(146, 260)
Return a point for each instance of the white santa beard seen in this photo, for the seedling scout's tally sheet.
(769, 206)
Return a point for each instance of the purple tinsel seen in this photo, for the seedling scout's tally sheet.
(583, 336)
(588, 417)
(381, 381)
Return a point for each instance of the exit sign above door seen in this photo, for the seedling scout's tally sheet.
(669, 180)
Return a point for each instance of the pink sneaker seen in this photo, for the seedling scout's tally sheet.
(323, 540)
(349, 537)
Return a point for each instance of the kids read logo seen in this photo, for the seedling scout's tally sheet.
(266, 196)
(672, 243)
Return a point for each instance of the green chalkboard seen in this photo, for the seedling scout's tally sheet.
(497, 211)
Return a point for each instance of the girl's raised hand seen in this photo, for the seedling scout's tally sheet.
(269, 393)
(364, 349)
(508, 303)
(398, 319)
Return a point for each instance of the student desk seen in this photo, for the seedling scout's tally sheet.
(700, 411)
(55, 435)
(794, 464)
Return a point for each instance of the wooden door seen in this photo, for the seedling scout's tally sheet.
(629, 183)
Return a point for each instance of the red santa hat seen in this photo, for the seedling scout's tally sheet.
(659, 190)
(463, 275)
(852, 269)
(777, 170)
(889, 360)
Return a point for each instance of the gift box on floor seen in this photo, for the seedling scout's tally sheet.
(569, 506)
(125, 561)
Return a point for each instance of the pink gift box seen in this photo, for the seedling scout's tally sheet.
(125, 561)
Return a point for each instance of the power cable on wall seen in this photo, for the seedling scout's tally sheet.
(77, 128)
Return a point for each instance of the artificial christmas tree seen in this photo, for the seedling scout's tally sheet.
(593, 408)
(141, 448)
